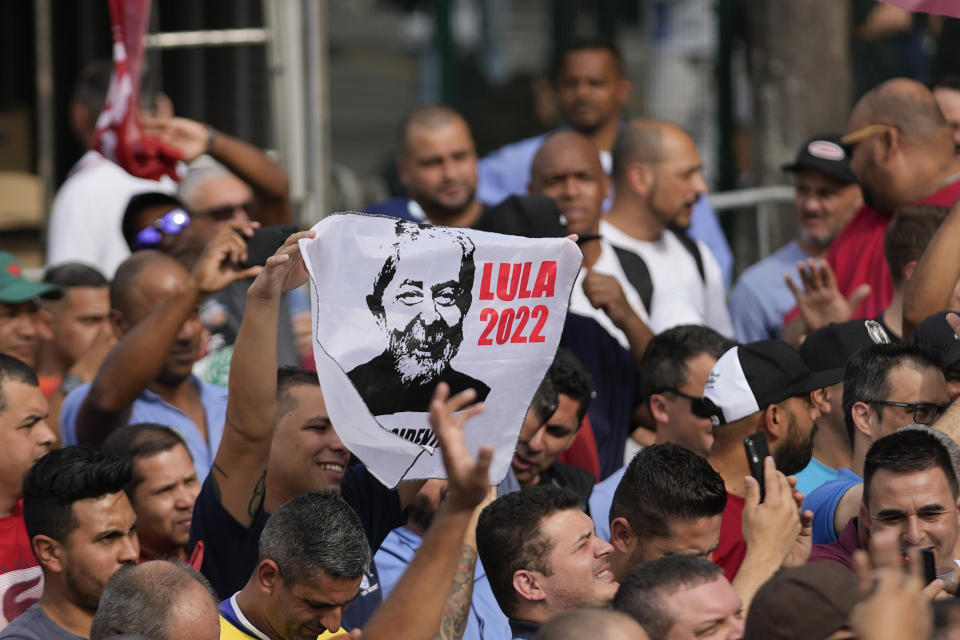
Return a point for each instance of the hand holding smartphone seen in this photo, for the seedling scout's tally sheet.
(264, 243)
(757, 450)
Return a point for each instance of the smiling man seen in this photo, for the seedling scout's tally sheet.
(826, 195)
(419, 299)
(542, 557)
(910, 486)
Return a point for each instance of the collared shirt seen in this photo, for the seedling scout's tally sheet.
(485, 621)
(150, 407)
(600, 501)
(760, 298)
(235, 626)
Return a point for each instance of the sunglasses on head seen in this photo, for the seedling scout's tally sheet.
(852, 139)
(170, 224)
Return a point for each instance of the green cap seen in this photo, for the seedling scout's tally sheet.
(14, 288)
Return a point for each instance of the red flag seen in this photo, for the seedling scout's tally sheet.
(119, 135)
(938, 7)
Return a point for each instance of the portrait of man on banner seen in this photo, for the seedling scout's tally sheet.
(419, 300)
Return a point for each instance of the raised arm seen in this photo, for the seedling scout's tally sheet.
(929, 289)
(268, 180)
(241, 461)
(137, 358)
(425, 585)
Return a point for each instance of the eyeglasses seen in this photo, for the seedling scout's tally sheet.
(172, 223)
(224, 212)
(923, 412)
(852, 139)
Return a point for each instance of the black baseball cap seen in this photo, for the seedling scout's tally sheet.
(934, 332)
(824, 153)
(752, 376)
(829, 348)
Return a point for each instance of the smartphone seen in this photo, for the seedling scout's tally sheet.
(929, 566)
(264, 243)
(757, 450)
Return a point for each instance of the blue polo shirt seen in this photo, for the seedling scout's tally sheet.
(149, 407)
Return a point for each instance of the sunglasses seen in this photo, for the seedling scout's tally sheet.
(224, 212)
(172, 223)
(852, 139)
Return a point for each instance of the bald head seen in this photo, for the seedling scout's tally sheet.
(430, 117)
(159, 599)
(645, 141)
(567, 169)
(140, 276)
(591, 623)
(911, 108)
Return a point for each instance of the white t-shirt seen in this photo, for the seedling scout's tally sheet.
(680, 295)
(607, 264)
(85, 220)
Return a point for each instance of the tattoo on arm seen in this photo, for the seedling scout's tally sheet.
(457, 611)
(259, 493)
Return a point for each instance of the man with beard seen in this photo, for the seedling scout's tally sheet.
(656, 178)
(82, 530)
(147, 377)
(421, 316)
(437, 164)
(901, 150)
(759, 387)
(885, 387)
(826, 196)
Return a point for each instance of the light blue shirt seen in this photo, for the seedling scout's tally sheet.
(149, 407)
(485, 622)
(506, 171)
(814, 475)
(600, 501)
(761, 298)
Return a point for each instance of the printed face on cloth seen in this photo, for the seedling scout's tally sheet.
(400, 307)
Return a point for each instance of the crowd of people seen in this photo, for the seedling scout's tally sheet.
(780, 462)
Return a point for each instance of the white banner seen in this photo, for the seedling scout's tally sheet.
(398, 307)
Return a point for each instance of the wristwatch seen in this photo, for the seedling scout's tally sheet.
(70, 382)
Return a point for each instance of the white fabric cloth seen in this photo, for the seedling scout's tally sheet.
(86, 215)
(392, 300)
(680, 295)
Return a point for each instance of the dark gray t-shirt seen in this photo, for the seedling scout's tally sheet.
(34, 624)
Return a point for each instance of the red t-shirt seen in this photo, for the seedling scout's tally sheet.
(857, 253)
(21, 581)
(732, 548)
(582, 452)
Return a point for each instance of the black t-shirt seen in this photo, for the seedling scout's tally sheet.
(230, 550)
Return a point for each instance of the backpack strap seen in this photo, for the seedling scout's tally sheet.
(690, 245)
(638, 275)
